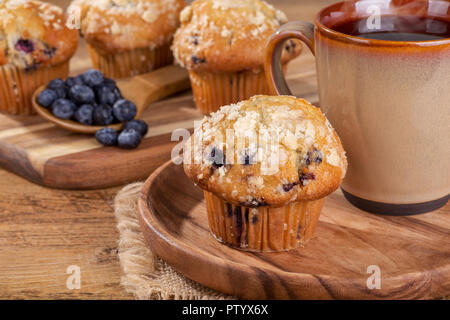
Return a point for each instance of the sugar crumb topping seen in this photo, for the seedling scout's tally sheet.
(266, 126)
(148, 10)
(51, 15)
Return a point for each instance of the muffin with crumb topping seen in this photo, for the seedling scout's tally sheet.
(35, 47)
(128, 37)
(265, 165)
(222, 44)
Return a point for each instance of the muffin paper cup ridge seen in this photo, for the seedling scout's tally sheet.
(132, 62)
(214, 90)
(263, 229)
(17, 86)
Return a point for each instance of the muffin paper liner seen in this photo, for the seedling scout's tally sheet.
(130, 63)
(17, 86)
(214, 90)
(263, 229)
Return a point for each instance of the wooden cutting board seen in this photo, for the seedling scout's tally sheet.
(45, 154)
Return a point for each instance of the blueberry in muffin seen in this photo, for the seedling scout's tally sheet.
(222, 43)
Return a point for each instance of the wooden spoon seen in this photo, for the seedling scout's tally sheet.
(142, 90)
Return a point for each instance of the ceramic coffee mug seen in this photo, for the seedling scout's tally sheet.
(388, 100)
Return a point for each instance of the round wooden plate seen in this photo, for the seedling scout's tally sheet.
(350, 246)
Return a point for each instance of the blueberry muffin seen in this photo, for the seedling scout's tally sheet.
(222, 44)
(128, 37)
(35, 47)
(265, 165)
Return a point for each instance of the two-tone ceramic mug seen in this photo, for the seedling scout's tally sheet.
(388, 100)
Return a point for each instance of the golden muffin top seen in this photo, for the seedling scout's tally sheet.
(228, 35)
(33, 34)
(120, 25)
(266, 151)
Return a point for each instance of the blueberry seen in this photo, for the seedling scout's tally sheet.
(107, 136)
(103, 115)
(79, 79)
(84, 114)
(111, 84)
(30, 66)
(81, 94)
(306, 177)
(289, 186)
(93, 77)
(117, 92)
(49, 51)
(247, 158)
(55, 84)
(24, 45)
(59, 87)
(63, 108)
(314, 155)
(129, 139)
(140, 126)
(195, 39)
(217, 158)
(71, 81)
(124, 110)
(61, 92)
(197, 60)
(47, 97)
(105, 95)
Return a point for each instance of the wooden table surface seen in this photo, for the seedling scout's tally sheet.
(44, 231)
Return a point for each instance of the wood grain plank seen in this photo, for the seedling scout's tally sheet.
(43, 231)
(17, 161)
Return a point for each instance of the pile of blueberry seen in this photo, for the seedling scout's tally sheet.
(92, 99)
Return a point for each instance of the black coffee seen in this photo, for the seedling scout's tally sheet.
(397, 28)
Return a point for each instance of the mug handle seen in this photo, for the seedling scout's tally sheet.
(301, 30)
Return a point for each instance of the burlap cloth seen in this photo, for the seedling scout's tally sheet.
(145, 275)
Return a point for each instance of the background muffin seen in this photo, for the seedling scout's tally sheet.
(222, 44)
(264, 186)
(128, 37)
(35, 47)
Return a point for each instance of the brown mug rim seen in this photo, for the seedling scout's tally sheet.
(343, 37)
